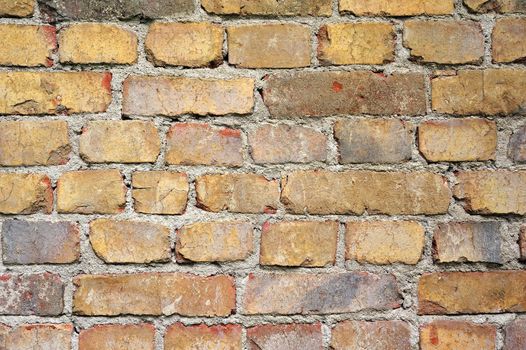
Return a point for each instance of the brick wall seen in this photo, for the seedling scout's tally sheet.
(238, 174)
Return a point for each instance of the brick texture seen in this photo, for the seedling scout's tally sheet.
(397, 7)
(36, 336)
(27, 45)
(499, 6)
(16, 8)
(457, 335)
(517, 145)
(118, 337)
(181, 337)
(269, 8)
(378, 335)
(160, 192)
(25, 193)
(288, 336)
(507, 43)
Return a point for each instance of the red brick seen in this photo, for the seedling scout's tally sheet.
(36, 337)
(221, 337)
(445, 335)
(285, 337)
(118, 337)
(378, 335)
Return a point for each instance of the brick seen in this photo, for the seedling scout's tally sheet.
(269, 7)
(444, 335)
(215, 241)
(508, 44)
(25, 193)
(173, 96)
(275, 144)
(185, 44)
(356, 43)
(299, 243)
(160, 192)
(517, 145)
(500, 6)
(36, 337)
(472, 292)
(130, 241)
(487, 92)
(269, 46)
(467, 242)
(36, 93)
(224, 337)
(119, 141)
(202, 144)
(384, 242)
(26, 143)
(317, 94)
(36, 294)
(89, 43)
(397, 7)
(91, 192)
(16, 8)
(374, 140)
(492, 192)
(118, 337)
(329, 293)
(522, 243)
(514, 334)
(154, 294)
(458, 140)
(285, 336)
(26, 45)
(40, 242)
(237, 193)
(377, 335)
(322, 192)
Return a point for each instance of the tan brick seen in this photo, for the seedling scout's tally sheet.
(201, 144)
(85, 43)
(25, 143)
(25, 193)
(173, 96)
(522, 243)
(119, 141)
(26, 45)
(508, 40)
(458, 140)
(514, 334)
(221, 337)
(492, 192)
(91, 192)
(237, 193)
(130, 241)
(397, 7)
(354, 192)
(54, 92)
(487, 92)
(517, 145)
(384, 242)
(356, 43)
(472, 292)
(185, 44)
(269, 7)
(285, 336)
(160, 192)
(500, 6)
(215, 241)
(299, 243)
(275, 144)
(445, 335)
(269, 46)
(154, 294)
(118, 337)
(36, 337)
(378, 335)
(16, 8)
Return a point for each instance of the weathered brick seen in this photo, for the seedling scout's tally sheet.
(269, 46)
(517, 146)
(54, 92)
(374, 141)
(515, 335)
(119, 141)
(445, 335)
(173, 96)
(269, 7)
(472, 292)
(458, 140)
(500, 6)
(36, 337)
(224, 337)
(354, 192)
(492, 192)
(378, 335)
(487, 92)
(238, 193)
(154, 294)
(38, 242)
(118, 337)
(508, 43)
(38, 294)
(522, 243)
(467, 241)
(299, 243)
(384, 242)
(97, 43)
(397, 7)
(215, 241)
(26, 45)
(316, 94)
(16, 8)
(160, 192)
(185, 44)
(329, 293)
(201, 144)
(91, 192)
(25, 193)
(25, 143)
(285, 336)
(130, 241)
(356, 43)
(274, 144)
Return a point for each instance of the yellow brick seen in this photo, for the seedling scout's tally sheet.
(508, 40)
(25, 193)
(269, 7)
(27, 46)
(397, 7)
(160, 192)
(17, 8)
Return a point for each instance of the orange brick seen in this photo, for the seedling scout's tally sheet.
(36, 336)
(26, 45)
(160, 192)
(25, 193)
(224, 337)
(378, 335)
(397, 7)
(508, 40)
(445, 335)
(118, 337)
(285, 336)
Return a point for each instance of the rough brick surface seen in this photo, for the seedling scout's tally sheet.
(25, 193)
(118, 337)
(269, 7)
(397, 7)
(522, 243)
(444, 335)
(27, 45)
(160, 192)
(378, 335)
(287, 336)
(224, 337)
(499, 6)
(517, 145)
(508, 43)
(514, 334)
(16, 8)
(36, 337)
